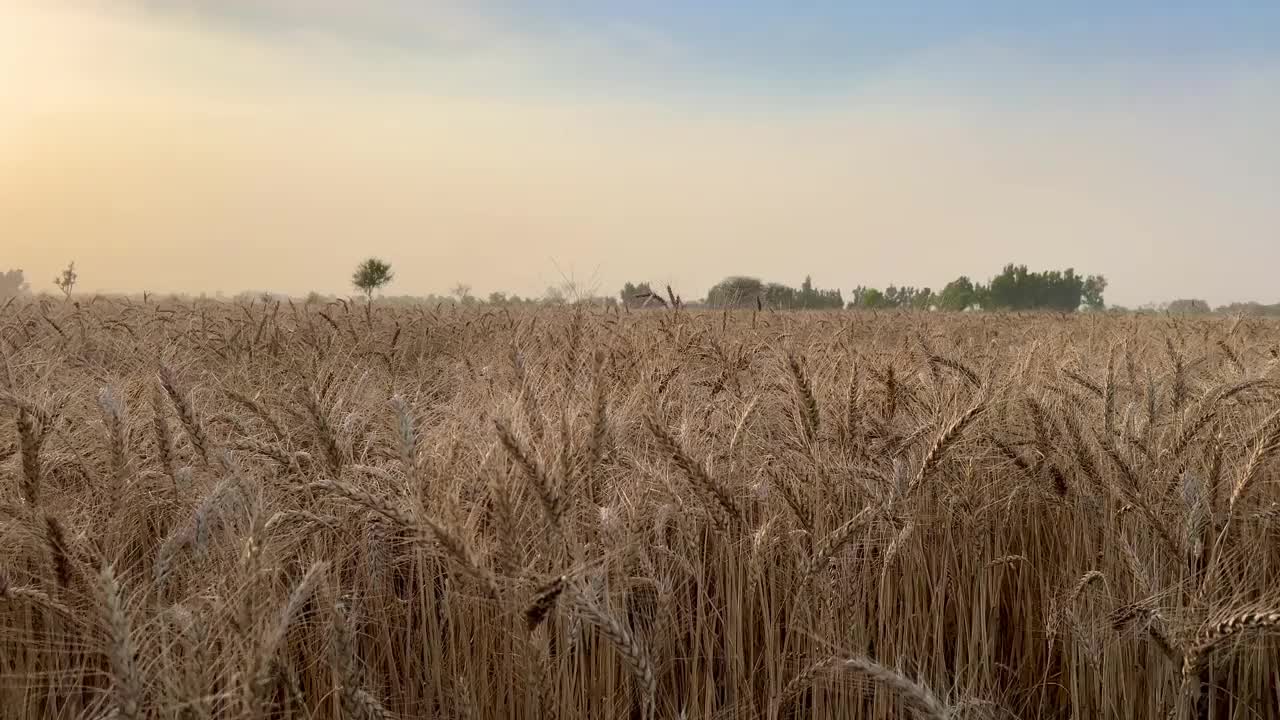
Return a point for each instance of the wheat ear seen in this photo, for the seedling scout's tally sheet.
(126, 683)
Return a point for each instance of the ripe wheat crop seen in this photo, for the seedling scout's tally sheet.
(216, 510)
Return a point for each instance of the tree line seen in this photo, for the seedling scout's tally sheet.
(1195, 306)
(1015, 288)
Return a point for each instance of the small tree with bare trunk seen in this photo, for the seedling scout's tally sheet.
(371, 275)
(66, 282)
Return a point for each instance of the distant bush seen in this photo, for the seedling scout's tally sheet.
(13, 283)
(1188, 306)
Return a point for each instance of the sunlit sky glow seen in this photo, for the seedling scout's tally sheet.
(202, 145)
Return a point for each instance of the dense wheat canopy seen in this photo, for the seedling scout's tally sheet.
(285, 510)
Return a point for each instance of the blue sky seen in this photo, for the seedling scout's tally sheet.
(784, 37)
(706, 55)
(752, 32)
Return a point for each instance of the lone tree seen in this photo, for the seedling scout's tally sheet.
(66, 282)
(371, 275)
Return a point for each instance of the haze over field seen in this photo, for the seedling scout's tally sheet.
(271, 144)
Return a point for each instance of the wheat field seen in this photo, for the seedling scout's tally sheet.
(288, 510)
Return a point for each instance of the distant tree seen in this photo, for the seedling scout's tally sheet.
(1188, 306)
(958, 295)
(923, 299)
(812, 298)
(641, 294)
(497, 298)
(553, 296)
(742, 291)
(635, 294)
(777, 295)
(830, 299)
(1012, 289)
(371, 275)
(893, 296)
(872, 299)
(1017, 288)
(908, 297)
(66, 282)
(1094, 286)
(857, 295)
(1251, 308)
(12, 283)
(736, 291)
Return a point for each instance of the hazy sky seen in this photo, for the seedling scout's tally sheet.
(271, 144)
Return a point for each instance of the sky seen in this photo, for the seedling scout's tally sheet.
(270, 145)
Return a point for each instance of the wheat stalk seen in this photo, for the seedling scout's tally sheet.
(633, 653)
(186, 414)
(729, 517)
(126, 681)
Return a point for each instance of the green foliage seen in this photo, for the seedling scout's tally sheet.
(907, 298)
(959, 294)
(1094, 286)
(739, 291)
(815, 299)
(371, 275)
(1015, 288)
(869, 298)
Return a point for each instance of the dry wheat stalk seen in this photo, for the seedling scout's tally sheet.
(113, 410)
(544, 601)
(1216, 635)
(163, 437)
(834, 541)
(322, 429)
(915, 696)
(126, 681)
(552, 503)
(406, 438)
(186, 414)
(1082, 583)
(451, 543)
(965, 372)
(256, 409)
(35, 596)
(950, 434)
(729, 517)
(635, 655)
(59, 552)
(806, 404)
